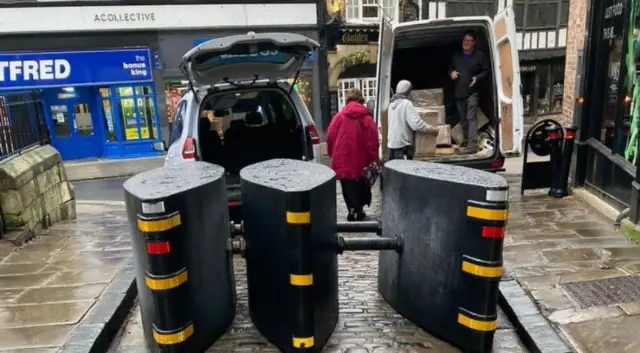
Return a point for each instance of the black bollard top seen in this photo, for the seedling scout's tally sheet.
(452, 173)
(163, 182)
(287, 174)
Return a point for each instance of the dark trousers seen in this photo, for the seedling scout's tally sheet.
(356, 194)
(468, 111)
(401, 153)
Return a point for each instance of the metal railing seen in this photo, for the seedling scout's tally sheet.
(22, 123)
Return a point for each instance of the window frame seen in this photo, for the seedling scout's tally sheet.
(357, 6)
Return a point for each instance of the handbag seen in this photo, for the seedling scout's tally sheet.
(371, 172)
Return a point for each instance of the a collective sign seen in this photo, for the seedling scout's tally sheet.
(80, 68)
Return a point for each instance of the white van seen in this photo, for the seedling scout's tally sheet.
(421, 52)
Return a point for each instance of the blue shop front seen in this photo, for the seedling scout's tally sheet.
(98, 104)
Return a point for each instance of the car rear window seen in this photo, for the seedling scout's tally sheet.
(256, 107)
(257, 53)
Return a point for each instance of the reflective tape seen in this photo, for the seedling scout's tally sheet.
(482, 271)
(299, 217)
(301, 280)
(173, 338)
(167, 283)
(497, 195)
(487, 213)
(153, 207)
(492, 232)
(306, 342)
(159, 224)
(158, 248)
(477, 325)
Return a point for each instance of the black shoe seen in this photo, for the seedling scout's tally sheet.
(360, 216)
(351, 216)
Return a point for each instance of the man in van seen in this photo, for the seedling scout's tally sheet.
(404, 120)
(468, 68)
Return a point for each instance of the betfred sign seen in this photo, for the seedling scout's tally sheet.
(34, 70)
(79, 68)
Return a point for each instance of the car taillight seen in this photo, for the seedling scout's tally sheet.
(498, 163)
(313, 134)
(189, 148)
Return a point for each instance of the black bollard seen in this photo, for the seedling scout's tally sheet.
(555, 144)
(561, 189)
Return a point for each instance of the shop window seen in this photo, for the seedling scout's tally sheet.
(557, 90)
(612, 41)
(134, 108)
(82, 119)
(107, 110)
(60, 116)
(544, 90)
(368, 10)
(528, 92)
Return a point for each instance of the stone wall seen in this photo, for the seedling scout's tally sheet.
(576, 33)
(34, 190)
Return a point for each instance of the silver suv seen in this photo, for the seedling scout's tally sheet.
(241, 107)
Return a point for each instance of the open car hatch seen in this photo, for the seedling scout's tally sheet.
(248, 57)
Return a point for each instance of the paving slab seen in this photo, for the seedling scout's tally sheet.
(556, 250)
(51, 285)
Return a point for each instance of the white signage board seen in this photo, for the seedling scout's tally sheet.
(154, 17)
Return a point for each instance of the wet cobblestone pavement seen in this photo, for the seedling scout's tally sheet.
(51, 283)
(551, 244)
(366, 324)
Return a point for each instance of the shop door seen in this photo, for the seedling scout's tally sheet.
(73, 124)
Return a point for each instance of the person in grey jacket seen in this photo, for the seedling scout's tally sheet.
(404, 120)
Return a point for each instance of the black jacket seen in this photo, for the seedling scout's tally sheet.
(475, 65)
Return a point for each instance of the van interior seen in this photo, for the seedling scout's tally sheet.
(246, 126)
(424, 58)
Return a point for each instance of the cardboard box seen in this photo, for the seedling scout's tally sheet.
(425, 145)
(444, 136)
(428, 97)
(429, 116)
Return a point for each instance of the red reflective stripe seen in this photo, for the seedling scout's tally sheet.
(234, 203)
(553, 135)
(492, 232)
(570, 134)
(160, 248)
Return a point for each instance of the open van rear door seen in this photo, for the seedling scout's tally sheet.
(511, 110)
(383, 89)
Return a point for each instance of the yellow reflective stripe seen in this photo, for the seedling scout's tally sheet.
(173, 338)
(301, 280)
(299, 217)
(482, 271)
(487, 213)
(159, 225)
(306, 342)
(477, 325)
(167, 283)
